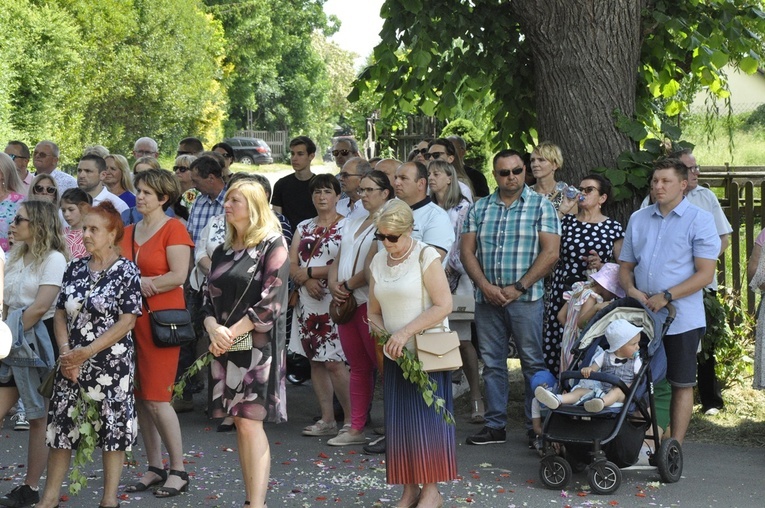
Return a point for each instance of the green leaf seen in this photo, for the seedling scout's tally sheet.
(748, 65)
(670, 89)
(719, 59)
(616, 177)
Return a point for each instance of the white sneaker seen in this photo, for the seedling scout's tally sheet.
(346, 438)
(547, 397)
(21, 421)
(321, 428)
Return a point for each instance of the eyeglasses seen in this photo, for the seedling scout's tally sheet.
(39, 189)
(365, 190)
(694, 169)
(391, 238)
(180, 169)
(40, 155)
(434, 155)
(344, 153)
(506, 172)
(19, 219)
(345, 174)
(142, 153)
(588, 189)
(14, 157)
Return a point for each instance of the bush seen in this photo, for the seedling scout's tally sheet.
(477, 154)
(733, 345)
(756, 120)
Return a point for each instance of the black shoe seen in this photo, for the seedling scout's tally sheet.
(376, 447)
(487, 435)
(21, 496)
(532, 436)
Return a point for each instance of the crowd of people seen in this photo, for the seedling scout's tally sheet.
(319, 266)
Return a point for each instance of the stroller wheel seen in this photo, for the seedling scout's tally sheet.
(604, 477)
(669, 460)
(296, 379)
(555, 472)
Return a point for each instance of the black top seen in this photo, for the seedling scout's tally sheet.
(480, 185)
(294, 198)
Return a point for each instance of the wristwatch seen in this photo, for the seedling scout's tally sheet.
(519, 287)
(668, 296)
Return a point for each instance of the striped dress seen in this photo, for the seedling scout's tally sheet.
(420, 446)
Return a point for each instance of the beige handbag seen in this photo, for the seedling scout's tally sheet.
(437, 348)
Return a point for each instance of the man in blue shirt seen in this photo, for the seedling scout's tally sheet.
(669, 255)
(510, 241)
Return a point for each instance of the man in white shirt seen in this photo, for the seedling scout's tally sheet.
(350, 177)
(89, 173)
(45, 160)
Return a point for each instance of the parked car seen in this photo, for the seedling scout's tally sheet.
(250, 150)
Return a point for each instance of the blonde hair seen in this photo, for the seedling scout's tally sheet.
(31, 196)
(551, 152)
(121, 162)
(46, 231)
(11, 178)
(150, 161)
(395, 216)
(262, 222)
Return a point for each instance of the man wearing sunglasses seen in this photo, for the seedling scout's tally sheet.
(350, 177)
(19, 152)
(510, 241)
(90, 172)
(344, 149)
(431, 222)
(45, 160)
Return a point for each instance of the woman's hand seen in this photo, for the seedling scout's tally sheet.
(70, 373)
(76, 357)
(339, 294)
(221, 337)
(301, 276)
(315, 289)
(147, 287)
(396, 344)
(592, 260)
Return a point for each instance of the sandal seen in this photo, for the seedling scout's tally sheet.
(140, 487)
(163, 491)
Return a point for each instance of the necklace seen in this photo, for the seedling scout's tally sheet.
(411, 244)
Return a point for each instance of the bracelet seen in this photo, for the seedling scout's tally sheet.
(65, 345)
(310, 272)
(347, 288)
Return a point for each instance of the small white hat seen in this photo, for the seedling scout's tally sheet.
(620, 332)
(6, 338)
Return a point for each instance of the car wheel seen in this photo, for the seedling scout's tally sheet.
(246, 159)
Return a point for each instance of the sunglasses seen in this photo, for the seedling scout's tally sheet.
(506, 172)
(14, 157)
(180, 169)
(39, 189)
(421, 151)
(588, 189)
(391, 238)
(344, 153)
(434, 155)
(19, 219)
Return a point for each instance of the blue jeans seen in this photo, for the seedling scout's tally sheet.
(522, 320)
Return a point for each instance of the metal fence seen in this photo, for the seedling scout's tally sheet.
(277, 140)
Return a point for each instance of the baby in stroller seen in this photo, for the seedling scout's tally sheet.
(621, 359)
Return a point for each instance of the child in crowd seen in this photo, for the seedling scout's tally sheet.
(74, 204)
(620, 359)
(583, 301)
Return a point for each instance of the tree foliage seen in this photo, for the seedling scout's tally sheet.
(439, 57)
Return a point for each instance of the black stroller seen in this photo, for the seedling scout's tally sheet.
(575, 440)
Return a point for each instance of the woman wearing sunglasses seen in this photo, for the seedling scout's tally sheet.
(588, 240)
(346, 276)
(408, 293)
(33, 277)
(43, 188)
(10, 198)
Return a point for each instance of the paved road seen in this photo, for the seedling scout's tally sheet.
(308, 473)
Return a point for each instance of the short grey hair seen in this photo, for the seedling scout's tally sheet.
(150, 141)
(350, 141)
(53, 147)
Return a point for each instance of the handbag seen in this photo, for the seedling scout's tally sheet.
(343, 312)
(169, 327)
(46, 385)
(437, 350)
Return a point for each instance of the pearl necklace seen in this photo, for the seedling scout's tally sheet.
(411, 244)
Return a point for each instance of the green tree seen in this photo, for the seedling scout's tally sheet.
(564, 70)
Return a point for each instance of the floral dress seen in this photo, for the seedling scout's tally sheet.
(8, 208)
(253, 283)
(311, 323)
(108, 376)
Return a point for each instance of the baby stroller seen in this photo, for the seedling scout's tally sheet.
(604, 442)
